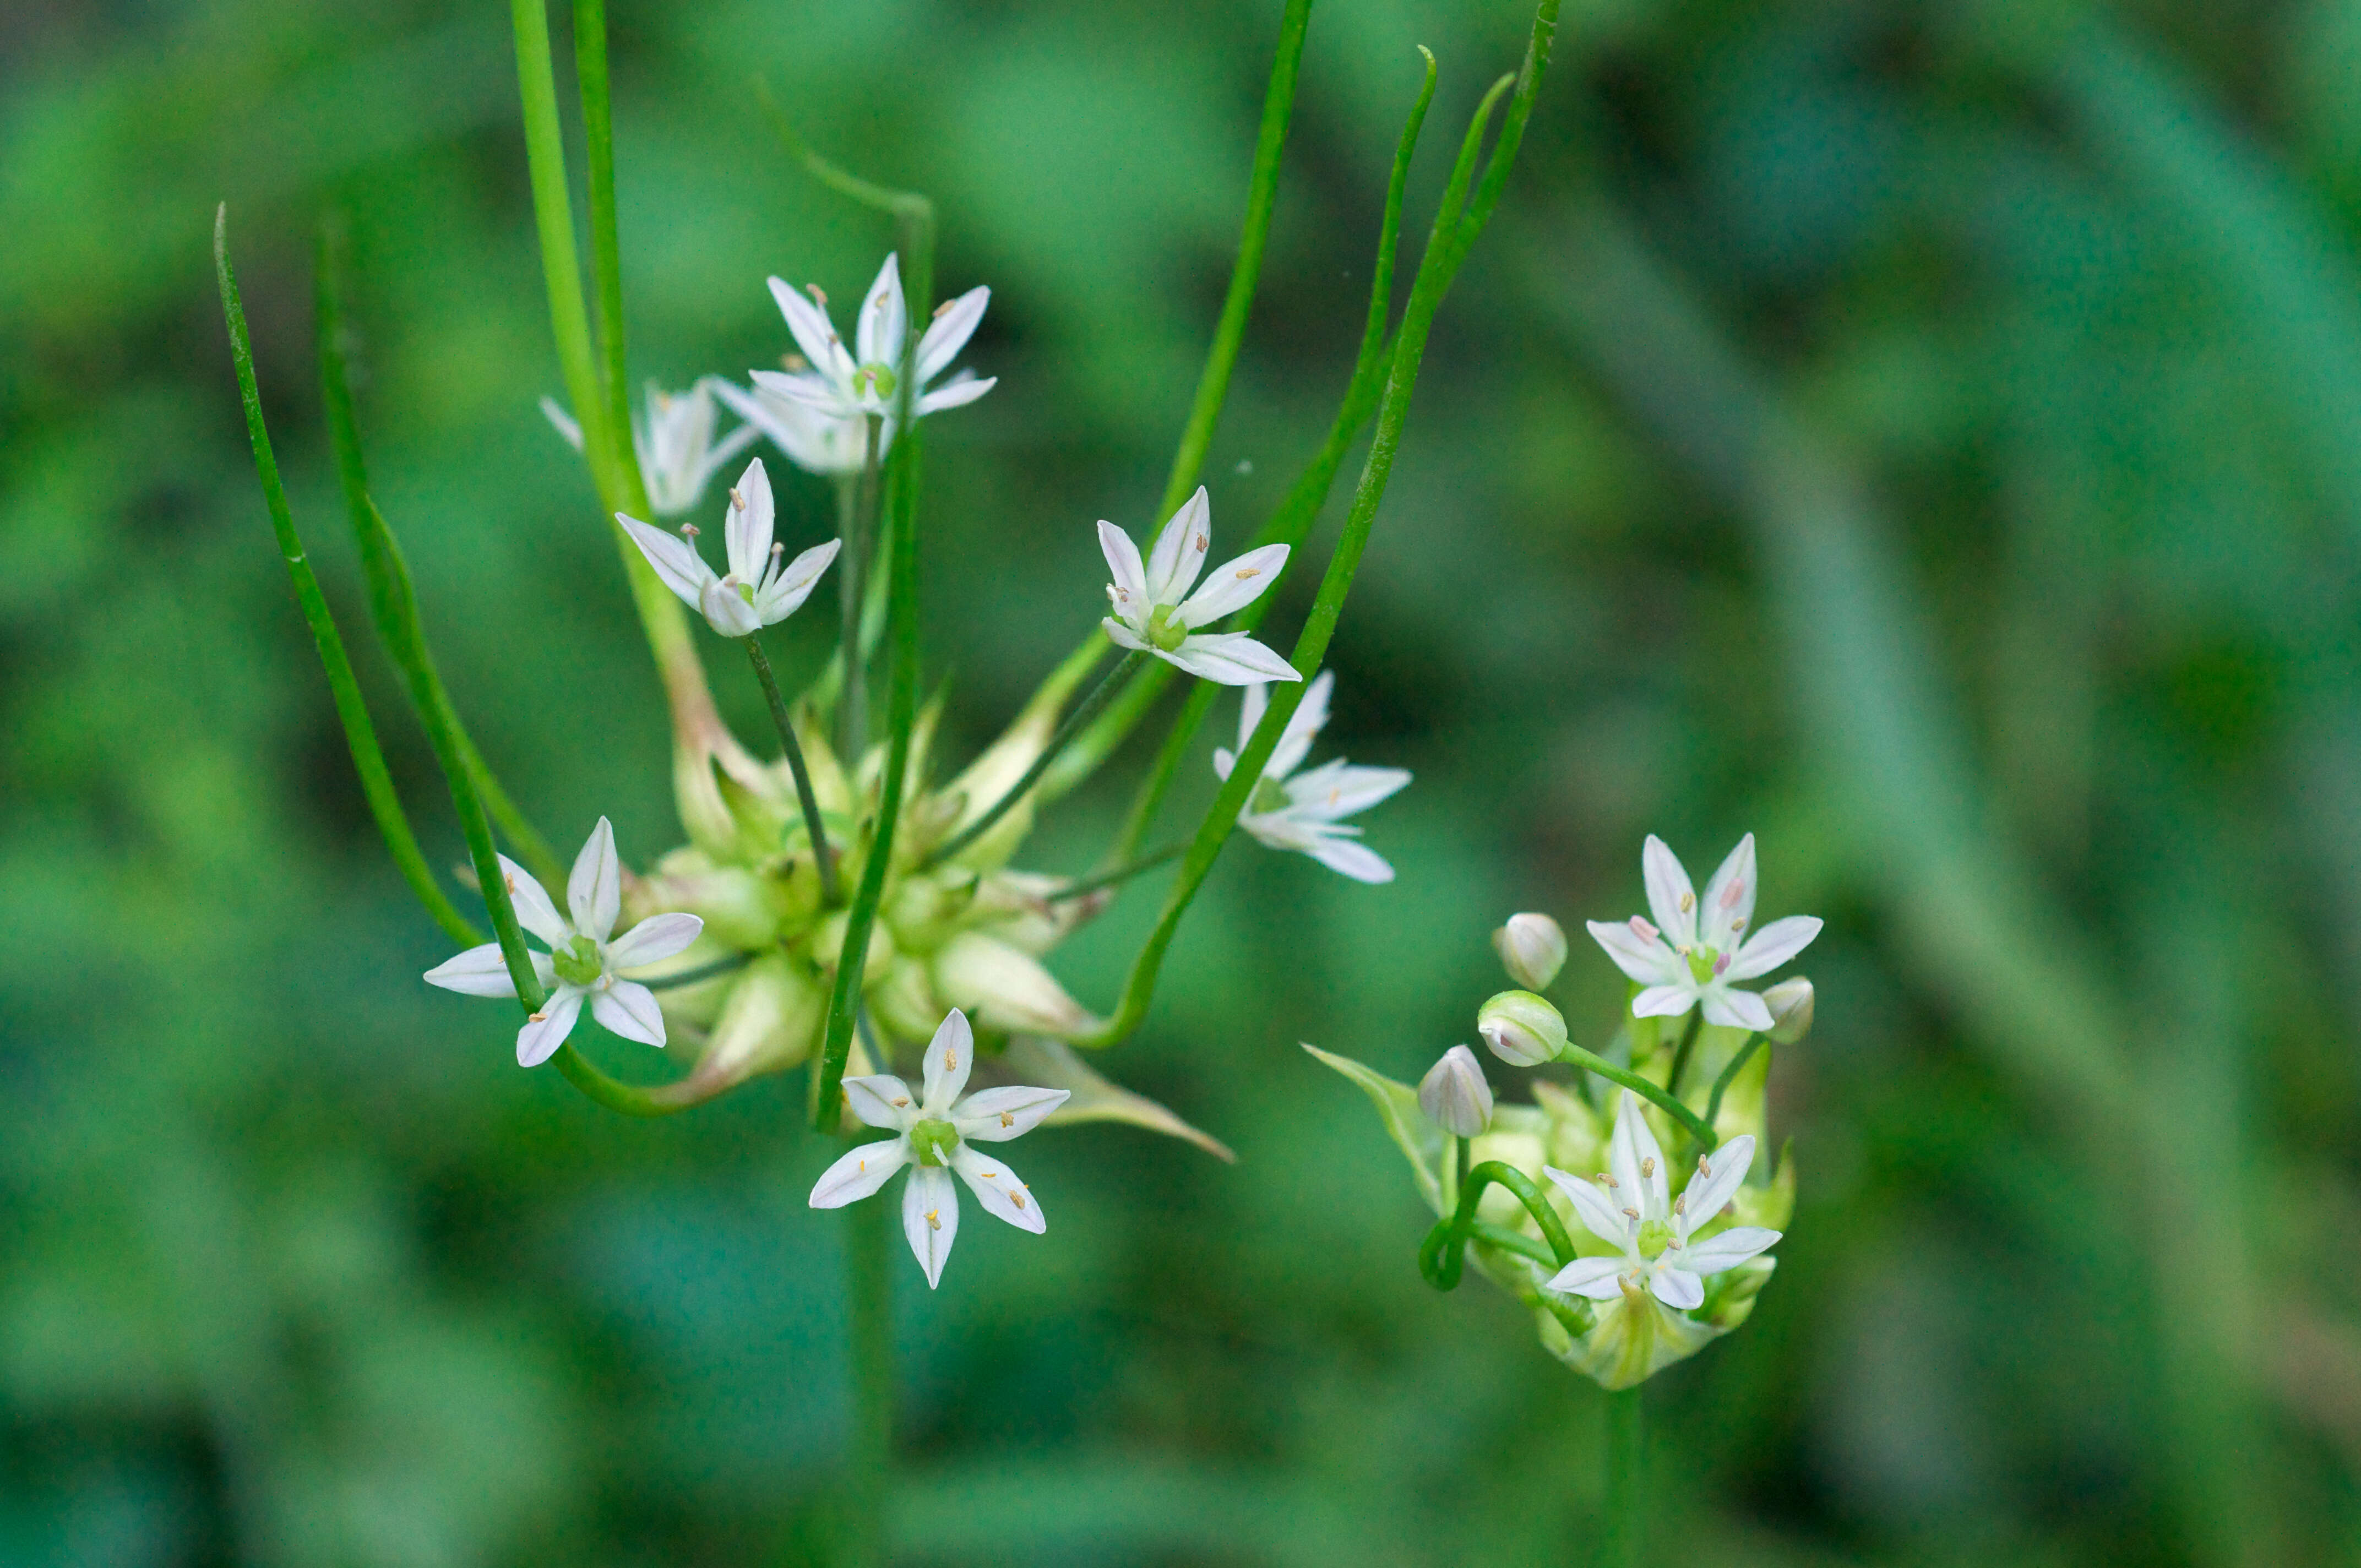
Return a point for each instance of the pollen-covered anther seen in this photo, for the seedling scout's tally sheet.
(935, 1218)
(1688, 902)
(1648, 1168)
(1018, 1198)
(1607, 1180)
(898, 1104)
(737, 498)
(942, 310)
(1632, 1213)
(819, 298)
(690, 530)
(1250, 572)
(1007, 1120)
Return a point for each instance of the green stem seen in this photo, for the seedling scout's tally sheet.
(1721, 1085)
(352, 708)
(1121, 874)
(822, 852)
(1627, 1479)
(1700, 1130)
(1690, 1030)
(1443, 1254)
(855, 525)
(868, 1246)
(606, 251)
(734, 962)
(1083, 712)
(1262, 195)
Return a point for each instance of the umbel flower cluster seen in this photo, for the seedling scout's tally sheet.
(1627, 1204)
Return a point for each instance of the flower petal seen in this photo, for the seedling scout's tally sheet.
(676, 562)
(949, 333)
(814, 335)
(882, 1100)
(594, 890)
(565, 424)
(1254, 702)
(1131, 600)
(1772, 946)
(1719, 1176)
(1123, 636)
(949, 1056)
(1664, 1001)
(1676, 1288)
(1644, 958)
(1179, 552)
(863, 1170)
(1337, 790)
(885, 321)
(931, 1219)
(535, 912)
(959, 389)
(1670, 897)
(657, 936)
(1591, 1277)
(1637, 1160)
(1593, 1206)
(629, 1009)
(746, 525)
(727, 610)
(1727, 1250)
(996, 1187)
(1736, 1009)
(1230, 659)
(785, 592)
(1234, 585)
(1729, 904)
(1311, 717)
(546, 1030)
(805, 389)
(997, 1115)
(1352, 859)
(478, 972)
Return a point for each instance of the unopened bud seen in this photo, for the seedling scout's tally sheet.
(770, 1023)
(1522, 1029)
(1531, 949)
(1455, 1095)
(1790, 1002)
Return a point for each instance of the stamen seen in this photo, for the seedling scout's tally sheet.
(1688, 902)
(689, 531)
(817, 298)
(1722, 963)
(1736, 926)
(777, 549)
(793, 362)
(935, 1218)
(1648, 1167)
(942, 310)
(1249, 572)
(1703, 1168)
(1202, 543)
(539, 1018)
(1607, 1180)
(950, 1062)
(511, 880)
(1681, 1204)
(1634, 1213)
(1007, 1120)
(1733, 893)
(901, 1103)
(1018, 1198)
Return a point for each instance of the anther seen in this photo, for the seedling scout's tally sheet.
(817, 298)
(539, 1018)
(898, 1104)
(777, 549)
(1648, 1167)
(1018, 1198)
(950, 1062)
(511, 880)
(1007, 1120)
(793, 362)
(1688, 902)
(1249, 572)
(689, 531)
(942, 310)
(1631, 1211)
(1681, 1204)
(1607, 1180)
(1202, 543)
(737, 500)
(935, 1218)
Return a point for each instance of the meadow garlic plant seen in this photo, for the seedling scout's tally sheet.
(854, 903)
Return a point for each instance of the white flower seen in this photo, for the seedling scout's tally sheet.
(934, 1131)
(1304, 813)
(1152, 615)
(582, 961)
(825, 443)
(674, 438)
(1682, 961)
(758, 591)
(1628, 1207)
(1455, 1095)
(867, 380)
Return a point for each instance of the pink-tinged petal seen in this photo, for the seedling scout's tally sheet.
(1594, 1206)
(629, 1009)
(814, 335)
(957, 392)
(1637, 1161)
(1670, 897)
(1179, 552)
(931, 1219)
(949, 333)
(997, 1115)
(1729, 898)
(996, 1187)
(1591, 1277)
(1664, 1001)
(1678, 1287)
(949, 1057)
(1719, 1176)
(1234, 585)
(746, 526)
(1730, 1009)
(546, 1030)
(863, 1170)
(1337, 790)
(1772, 946)
(1131, 600)
(657, 936)
(1351, 859)
(1303, 726)
(882, 1100)
(1733, 1246)
(676, 562)
(784, 594)
(535, 912)
(1230, 659)
(594, 890)
(478, 972)
(885, 322)
(1643, 959)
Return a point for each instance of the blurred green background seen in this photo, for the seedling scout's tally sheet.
(1928, 436)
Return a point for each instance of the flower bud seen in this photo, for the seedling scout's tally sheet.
(1790, 1002)
(1531, 949)
(1006, 989)
(1522, 1029)
(1453, 1094)
(739, 909)
(902, 999)
(769, 1024)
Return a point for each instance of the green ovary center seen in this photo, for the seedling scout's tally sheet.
(932, 1142)
(1701, 962)
(1165, 631)
(1654, 1237)
(578, 962)
(878, 376)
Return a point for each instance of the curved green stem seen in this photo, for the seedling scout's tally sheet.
(1682, 1052)
(1443, 1254)
(1700, 1130)
(1729, 1074)
(1120, 874)
(823, 853)
(1072, 725)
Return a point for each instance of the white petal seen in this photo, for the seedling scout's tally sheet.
(1179, 552)
(1644, 958)
(629, 1009)
(1729, 898)
(1353, 860)
(727, 610)
(1676, 1288)
(678, 565)
(565, 424)
(1665, 1001)
(1636, 1162)
(1594, 1206)
(959, 389)
(1230, 659)
(657, 936)
(997, 1115)
(746, 524)
(817, 393)
(535, 912)
(949, 1056)
(546, 1030)
(1254, 702)
(882, 1100)
(814, 336)
(785, 593)
(1234, 585)
(1727, 1250)
(1725, 1168)
(478, 972)
(864, 1168)
(1223, 761)
(1772, 946)
(1670, 897)
(1337, 790)
(594, 891)
(949, 333)
(1311, 717)
(930, 1218)
(1131, 600)
(1591, 1277)
(885, 321)
(1736, 1009)
(996, 1187)
(1123, 636)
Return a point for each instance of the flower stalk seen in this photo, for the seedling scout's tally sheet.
(823, 853)
(1085, 711)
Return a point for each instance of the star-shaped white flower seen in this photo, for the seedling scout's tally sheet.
(586, 958)
(829, 444)
(1156, 613)
(1306, 813)
(868, 380)
(934, 1134)
(1694, 955)
(674, 437)
(1628, 1206)
(759, 590)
